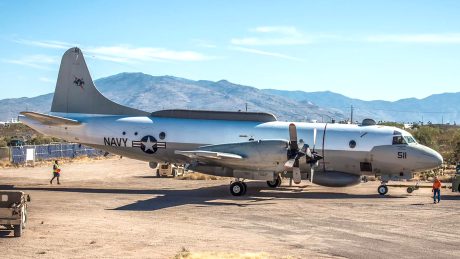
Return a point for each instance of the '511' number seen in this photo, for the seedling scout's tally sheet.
(402, 155)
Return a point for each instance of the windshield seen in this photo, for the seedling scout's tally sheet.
(399, 138)
(410, 139)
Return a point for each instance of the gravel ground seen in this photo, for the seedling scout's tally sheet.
(116, 208)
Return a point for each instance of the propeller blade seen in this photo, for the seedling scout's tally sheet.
(289, 163)
(312, 172)
(314, 138)
(296, 175)
(293, 137)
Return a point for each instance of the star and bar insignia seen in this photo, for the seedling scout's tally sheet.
(149, 144)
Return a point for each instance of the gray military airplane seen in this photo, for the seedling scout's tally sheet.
(241, 145)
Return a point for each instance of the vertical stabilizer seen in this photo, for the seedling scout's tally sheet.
(76, 93)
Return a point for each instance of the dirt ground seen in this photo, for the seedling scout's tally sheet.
(116, 208)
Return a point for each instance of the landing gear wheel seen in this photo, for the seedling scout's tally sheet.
(238, 188)
(17, 230)
(275, 183)
(382, 190)
(410, 189)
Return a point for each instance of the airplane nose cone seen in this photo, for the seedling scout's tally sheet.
(430, 158)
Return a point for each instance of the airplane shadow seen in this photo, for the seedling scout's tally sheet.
(257, 194)
(5, 233)
(450, 198)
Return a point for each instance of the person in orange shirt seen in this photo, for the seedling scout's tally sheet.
(56, 172)
(436, 189)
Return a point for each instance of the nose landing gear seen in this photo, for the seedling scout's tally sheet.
(382, 189)
(238, 188)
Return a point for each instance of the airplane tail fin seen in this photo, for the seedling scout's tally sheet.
(76, 93)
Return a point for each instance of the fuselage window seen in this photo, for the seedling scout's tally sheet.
(124, 133)
(398, 140)
(162, 135)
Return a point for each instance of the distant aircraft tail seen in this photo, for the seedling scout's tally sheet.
(76, 93)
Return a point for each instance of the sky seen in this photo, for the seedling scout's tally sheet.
(371, 50)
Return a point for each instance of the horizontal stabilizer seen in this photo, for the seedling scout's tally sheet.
(47, 119)
(208, 154)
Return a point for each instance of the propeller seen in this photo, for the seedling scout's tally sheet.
(294, 154)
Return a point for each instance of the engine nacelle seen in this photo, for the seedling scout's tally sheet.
(336, 179)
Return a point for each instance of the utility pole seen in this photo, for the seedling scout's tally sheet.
(246, 106)
(351, 115)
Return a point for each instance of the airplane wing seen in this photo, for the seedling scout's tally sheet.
(47, 119)
(241, 154)
(197, 154)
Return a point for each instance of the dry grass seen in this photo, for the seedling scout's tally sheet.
(198, 176)
(4, 164)
(41, 163)
(371, 178)
(185, 254)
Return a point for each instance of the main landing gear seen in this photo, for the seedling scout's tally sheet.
(238, 188)
(275, 183)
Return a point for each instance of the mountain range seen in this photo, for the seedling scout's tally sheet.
(151, 93)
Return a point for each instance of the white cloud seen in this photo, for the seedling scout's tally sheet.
(132, 54)
(47, 80)
(124, 53)
(277, 36)
(253, 41)
(416, 38)
(266, 53)
(35, 61)
(51, 44)
(287, 30)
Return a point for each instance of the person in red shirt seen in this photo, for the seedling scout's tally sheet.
(436, 189)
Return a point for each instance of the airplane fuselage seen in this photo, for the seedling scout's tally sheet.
(242, 145)
(361, 150)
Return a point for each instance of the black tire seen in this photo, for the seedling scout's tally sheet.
(237, 188)
(382, 189)
(245, 188)
(17, 230)
(410, 189)
(158, 173)
(275, 183)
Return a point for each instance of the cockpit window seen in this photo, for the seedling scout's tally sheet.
(398, 140)
(410, 139)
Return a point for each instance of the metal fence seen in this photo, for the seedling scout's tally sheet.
(20, 154)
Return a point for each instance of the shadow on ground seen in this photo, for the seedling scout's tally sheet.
(6, 233)
(257, 194)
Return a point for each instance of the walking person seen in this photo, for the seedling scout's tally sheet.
(56, 172)
(436, 189)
